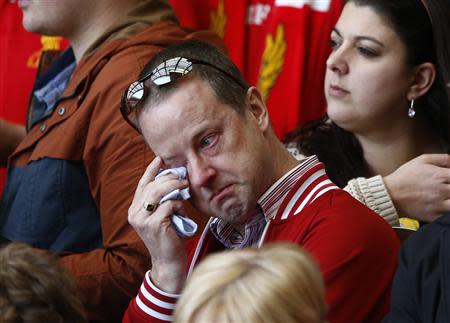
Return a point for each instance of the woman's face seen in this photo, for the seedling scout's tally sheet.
(367, 78)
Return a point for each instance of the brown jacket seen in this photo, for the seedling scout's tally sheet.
(86, 129)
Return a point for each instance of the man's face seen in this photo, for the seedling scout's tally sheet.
(52, 17)
(226, 153)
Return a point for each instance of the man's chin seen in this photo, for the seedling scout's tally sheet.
(235, 216)
(230, 212)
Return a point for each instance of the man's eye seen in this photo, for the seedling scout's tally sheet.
(208, 141)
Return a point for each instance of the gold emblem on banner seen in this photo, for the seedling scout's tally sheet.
(48, 43)
(218, 19)
(272, 61)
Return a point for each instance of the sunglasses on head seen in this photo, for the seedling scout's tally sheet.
(167, 72)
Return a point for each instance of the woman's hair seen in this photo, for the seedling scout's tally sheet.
(424, 28)
(277, 283)
(34, 288)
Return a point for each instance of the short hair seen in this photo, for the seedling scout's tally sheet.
(34, 288)
(277, 283)
(229, 90)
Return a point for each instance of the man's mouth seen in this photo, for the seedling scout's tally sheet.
(221, 194)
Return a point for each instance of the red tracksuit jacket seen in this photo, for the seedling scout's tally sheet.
(355, 248)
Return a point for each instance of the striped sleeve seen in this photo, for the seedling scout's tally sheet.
(151, 304)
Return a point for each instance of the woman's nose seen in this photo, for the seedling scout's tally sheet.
(337, 62)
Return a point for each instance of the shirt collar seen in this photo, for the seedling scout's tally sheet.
(270, 201)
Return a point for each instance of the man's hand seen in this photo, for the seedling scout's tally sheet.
(420, 188)
(166, 248)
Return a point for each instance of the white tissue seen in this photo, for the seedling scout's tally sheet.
(184, 226)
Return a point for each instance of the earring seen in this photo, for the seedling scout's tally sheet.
(411, 111)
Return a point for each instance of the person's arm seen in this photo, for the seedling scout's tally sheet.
(420, 188)
(402, 191)
(151, 305)
(373, 193)
(161, 287)
(10, 136)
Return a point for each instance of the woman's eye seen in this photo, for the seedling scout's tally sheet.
(333, 43)
(367, 52)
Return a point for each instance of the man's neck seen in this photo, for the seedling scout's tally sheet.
(95, 24)
(283, 161)
(81, 44)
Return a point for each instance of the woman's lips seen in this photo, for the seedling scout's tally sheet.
(337, 91)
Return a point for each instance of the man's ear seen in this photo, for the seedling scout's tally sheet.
(257, 108)
(424, 76)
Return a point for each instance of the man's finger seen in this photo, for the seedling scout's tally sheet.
(164, 213)
(150, 173)
(156, 192)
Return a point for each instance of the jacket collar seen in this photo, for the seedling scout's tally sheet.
(113, 40)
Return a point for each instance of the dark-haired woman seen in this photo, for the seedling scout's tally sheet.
(387, 133)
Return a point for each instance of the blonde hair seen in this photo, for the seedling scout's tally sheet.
(277, 283)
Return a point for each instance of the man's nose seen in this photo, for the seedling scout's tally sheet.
(200, 172)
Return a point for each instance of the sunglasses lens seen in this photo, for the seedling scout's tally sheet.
(130, 101)
(171, 70)
(173, 76)
(135, 94)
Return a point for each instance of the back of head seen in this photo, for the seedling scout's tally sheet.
(221, 74)
(424, 26)
(277, 283)
(34, 288)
